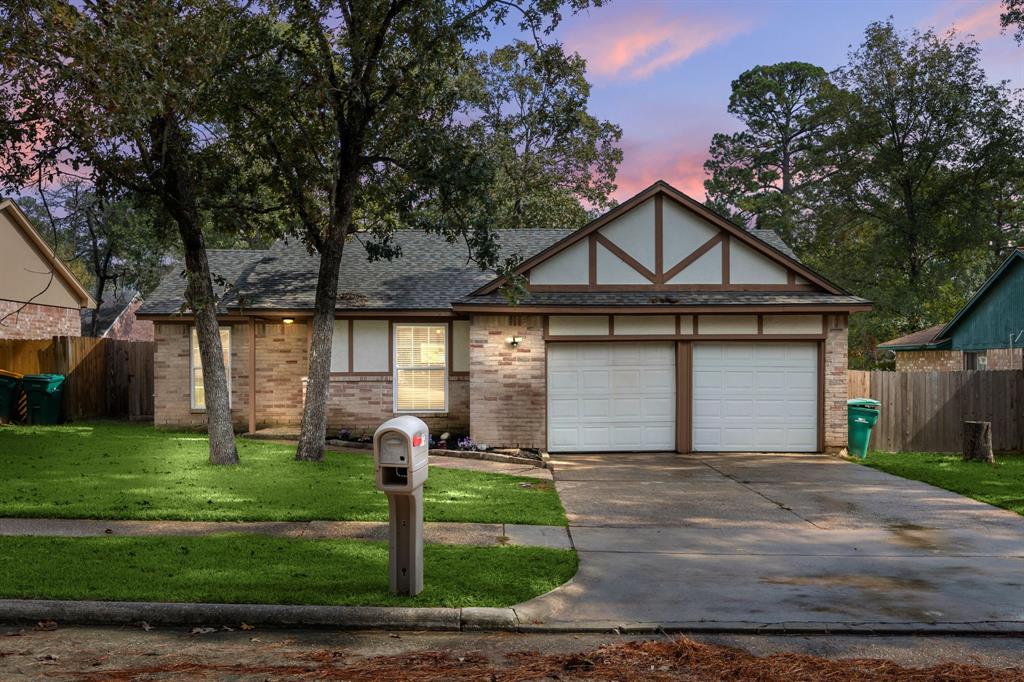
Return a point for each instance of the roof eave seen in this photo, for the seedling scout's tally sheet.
(942, 335)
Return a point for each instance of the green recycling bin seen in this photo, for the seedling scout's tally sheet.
(43, 392)
(861, 415)
(8, 394)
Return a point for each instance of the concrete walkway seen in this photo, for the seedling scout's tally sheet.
(750, 541)
(483, 534)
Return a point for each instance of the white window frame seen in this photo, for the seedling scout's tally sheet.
(395, 368)
(194, 334)
(980, 358)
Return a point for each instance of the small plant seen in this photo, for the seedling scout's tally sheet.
(345, 434)
(465, 443)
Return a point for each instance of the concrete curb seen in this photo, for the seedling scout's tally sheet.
(441, 619)
(490, 457)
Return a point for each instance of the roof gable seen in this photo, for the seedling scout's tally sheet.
(663, 240)
(27, 262)
(1007, 317)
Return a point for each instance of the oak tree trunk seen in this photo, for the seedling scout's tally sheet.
(178, 197)
(314, 412)
(318, 381)
(978, 442)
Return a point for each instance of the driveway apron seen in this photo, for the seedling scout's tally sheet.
(756, 541)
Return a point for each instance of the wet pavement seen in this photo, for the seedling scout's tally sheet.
(753, 541)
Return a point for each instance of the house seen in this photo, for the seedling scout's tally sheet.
(987, 333)
(39, 296)
(116, 319)
(658, 326)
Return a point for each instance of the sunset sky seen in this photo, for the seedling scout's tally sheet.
(661, 69)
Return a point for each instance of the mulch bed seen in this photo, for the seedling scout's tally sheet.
(681, 659)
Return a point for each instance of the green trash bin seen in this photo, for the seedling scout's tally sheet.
(861, 415)
(8, 395)
(43, 392)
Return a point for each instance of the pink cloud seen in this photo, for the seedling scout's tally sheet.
(674, 161)
(643, 38)
(981, 19)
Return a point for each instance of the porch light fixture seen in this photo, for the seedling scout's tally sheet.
(514, 341)
(288, 320)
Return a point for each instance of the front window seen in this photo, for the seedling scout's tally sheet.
(421, 368)
(975, 360)
(198, 389)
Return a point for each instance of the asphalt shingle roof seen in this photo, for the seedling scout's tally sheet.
(430, 274)
(922, 337)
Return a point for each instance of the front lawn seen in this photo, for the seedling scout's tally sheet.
(1001, 485)
(132, 471)
(254, 569)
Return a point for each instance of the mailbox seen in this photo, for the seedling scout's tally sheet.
(401, 448)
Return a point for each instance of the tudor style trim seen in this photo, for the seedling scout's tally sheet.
(662, 188)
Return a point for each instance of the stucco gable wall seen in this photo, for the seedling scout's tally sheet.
(25, 273)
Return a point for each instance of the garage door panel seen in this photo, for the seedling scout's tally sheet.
(624, 396)
(755, 396)
(564, 408)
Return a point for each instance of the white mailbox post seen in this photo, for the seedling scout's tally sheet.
(401, 447)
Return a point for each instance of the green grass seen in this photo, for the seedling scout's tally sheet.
(132, 471)
(1001, 485)
(255, 569)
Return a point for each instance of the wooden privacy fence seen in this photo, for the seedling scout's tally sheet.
(105, 377)
(925, 411)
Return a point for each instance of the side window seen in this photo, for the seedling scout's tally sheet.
(196, 367)
(421, 368)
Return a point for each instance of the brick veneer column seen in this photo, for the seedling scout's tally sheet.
(507, 386)
(836, 378)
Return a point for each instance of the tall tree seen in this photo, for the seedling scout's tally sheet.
(129, 93)
(763, 175)
(1013, 15)
(110, 244)
(358, 114)
(555, 163)
(914, 175)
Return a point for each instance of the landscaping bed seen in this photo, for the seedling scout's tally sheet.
(132, 471)
(251, 569)
(1001, 484)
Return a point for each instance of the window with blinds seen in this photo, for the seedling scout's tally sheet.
(421, 368)
(196, 364)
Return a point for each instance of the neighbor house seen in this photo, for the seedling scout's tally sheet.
(39, 296)
(116, 319)
(658, 326)
(987, 333)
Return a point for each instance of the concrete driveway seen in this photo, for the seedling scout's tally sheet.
(794, 542)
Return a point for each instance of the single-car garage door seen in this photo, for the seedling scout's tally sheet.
(608, 396)
(758, 397)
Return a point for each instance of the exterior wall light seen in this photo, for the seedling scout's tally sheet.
(288, 320)
(514, 341)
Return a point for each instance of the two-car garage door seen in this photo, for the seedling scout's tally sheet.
(611, 396)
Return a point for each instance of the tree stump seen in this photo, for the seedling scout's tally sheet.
(978, 442)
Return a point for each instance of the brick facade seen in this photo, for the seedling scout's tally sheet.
(281, 361)
(953, 360)
(508, 401)
(929, 361)
(127, 327)
(38, 321)
(836, 381)
(361, 403)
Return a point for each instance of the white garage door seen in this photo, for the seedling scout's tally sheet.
(758, 397)
(611, 396)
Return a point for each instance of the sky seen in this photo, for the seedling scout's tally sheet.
(661, 69)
